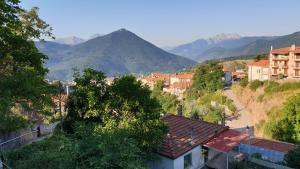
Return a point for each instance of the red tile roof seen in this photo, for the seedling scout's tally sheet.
(181, 85)
(281, 50)
(226, 141)
(261, 63)
(183, 75)
(181, 131)
(270, 144)
(285, 50)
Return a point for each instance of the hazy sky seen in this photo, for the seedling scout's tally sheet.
(169, 22)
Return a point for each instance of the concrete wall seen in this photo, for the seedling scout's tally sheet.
(267, 154)
(178, 163)
(268, 164)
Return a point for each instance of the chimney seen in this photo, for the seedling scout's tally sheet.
(271, 47)
(293, 47)
(179, 109)
(192, 142)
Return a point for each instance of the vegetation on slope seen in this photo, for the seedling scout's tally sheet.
(109, 127)
(273, 104)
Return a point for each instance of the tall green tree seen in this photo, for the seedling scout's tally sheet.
(207, 78)
(22, 85)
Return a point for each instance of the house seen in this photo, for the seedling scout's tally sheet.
(177, 88)
(181, 77)
(285, 62)
(259, 70)
(154, 77)
(270, 150)
(175, 84)
(190, 143)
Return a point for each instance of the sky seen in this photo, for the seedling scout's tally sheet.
(169, 22)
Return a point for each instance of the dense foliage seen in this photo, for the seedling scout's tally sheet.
(167, 101)
(255, 84)
(207, 78)
(22, 85)
(107, 127)
(284, 123)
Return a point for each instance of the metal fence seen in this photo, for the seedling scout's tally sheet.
(24, 137)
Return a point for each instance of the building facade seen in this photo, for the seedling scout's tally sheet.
(259, 70)
(285, 62)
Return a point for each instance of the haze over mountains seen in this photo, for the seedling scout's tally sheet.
(230, 45)
(116, 53)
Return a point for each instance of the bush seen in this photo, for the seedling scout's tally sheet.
(255, 85)
(260, 98)
(244, 82)
(274, 87)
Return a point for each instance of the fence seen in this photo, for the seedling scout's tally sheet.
(24, 136)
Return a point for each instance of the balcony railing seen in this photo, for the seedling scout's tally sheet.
(280, 58)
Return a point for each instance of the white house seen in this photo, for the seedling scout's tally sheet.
(190, 143)
(259, 70)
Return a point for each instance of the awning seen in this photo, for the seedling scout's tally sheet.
(226, 141)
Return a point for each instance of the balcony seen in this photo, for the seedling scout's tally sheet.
(297, 67)
(275, 65)
(285, 58)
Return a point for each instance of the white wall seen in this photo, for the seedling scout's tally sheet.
(178, 163)
(258, 73)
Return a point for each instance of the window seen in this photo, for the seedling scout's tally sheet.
(187, 161)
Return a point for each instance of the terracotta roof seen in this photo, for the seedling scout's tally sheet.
(183, 75)
(285, 50)
(154, 79)
(226, 141)
(181, 131)
(181, 85)
(281, 50)
(261, 63)
(270, 144)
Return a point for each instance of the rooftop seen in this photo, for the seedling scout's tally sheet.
(184, 134)
(286, 50)
(261, 63)
(270, 144)
(226, 141)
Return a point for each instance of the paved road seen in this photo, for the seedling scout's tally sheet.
(244, 116)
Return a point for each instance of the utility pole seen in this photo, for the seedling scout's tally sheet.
(60, 97)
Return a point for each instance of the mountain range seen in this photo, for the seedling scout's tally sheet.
(230, 45)
(116, 53)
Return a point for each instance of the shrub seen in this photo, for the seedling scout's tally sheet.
(255, 85)
(272, 86)
(276, 87)
(244, 82)
(260, 98)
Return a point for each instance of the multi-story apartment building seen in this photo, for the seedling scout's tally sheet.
(285, 62)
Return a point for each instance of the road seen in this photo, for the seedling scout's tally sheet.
(244, 116)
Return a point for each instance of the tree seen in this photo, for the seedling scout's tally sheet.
(22, 85)
(132, 105)
(207, 78)
(285, 124)
(292, 158)
(167, 101)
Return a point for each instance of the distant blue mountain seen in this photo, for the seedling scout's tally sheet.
(116, 53)
(215, 47)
